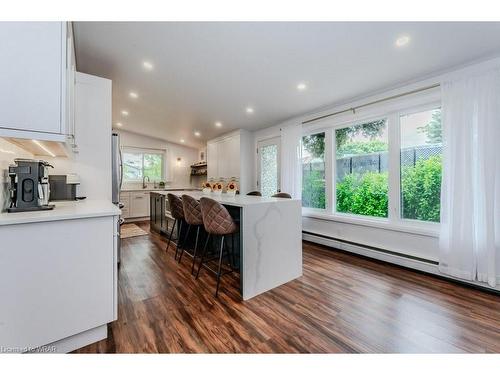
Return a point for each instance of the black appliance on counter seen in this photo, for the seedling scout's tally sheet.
(29, 185)
(63, 187)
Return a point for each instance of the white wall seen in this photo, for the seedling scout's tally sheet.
(419, 243)
(178, 173)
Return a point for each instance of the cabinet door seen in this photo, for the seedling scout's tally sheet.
(69, 123)
(60, 280)
(31, 81)
(212, 160)
(139, 204)
(222, 156)
(232, 157)
(152, 209)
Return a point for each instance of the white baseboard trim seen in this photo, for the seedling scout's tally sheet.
(134, 219)
(400, 260)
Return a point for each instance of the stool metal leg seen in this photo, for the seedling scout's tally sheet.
(171, 234)
(195, 248)
(233, 262)
(220, 264)
(203, 256)
(184, 243)
(179, 231)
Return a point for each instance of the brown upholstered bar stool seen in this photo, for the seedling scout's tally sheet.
(282, 195)
(177, 212)
(192, 215)
(217, 222)
(256, 193)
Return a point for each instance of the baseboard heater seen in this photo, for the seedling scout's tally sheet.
(384, 251)
(408, 261)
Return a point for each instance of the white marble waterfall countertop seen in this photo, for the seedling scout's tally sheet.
(230, 200)
(66, 210)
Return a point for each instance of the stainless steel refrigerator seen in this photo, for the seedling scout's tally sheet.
(116, 181)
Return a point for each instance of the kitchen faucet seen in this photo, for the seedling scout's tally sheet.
(144, 186)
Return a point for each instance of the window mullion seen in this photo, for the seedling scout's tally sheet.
(329, 171)
(394, 168)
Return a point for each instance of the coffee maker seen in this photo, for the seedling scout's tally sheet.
(29, 185)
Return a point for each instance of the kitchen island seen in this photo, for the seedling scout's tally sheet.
(270, 238)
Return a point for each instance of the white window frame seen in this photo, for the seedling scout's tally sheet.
(328, 168)
(392, 112)
(142, 151)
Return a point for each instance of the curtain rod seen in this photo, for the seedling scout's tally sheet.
(353, 109)
(144, 148)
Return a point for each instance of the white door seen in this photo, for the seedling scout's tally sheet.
(268, 179)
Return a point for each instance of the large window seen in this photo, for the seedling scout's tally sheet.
(313, 171)
(361, 169)
(138, 164)
(421, 165)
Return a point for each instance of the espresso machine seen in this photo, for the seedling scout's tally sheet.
(29, 185)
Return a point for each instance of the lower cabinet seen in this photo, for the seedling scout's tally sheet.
(58, 281)
(161, 222)
(136, 204)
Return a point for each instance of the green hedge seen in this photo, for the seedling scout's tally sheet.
(367, 194)
(421, 192)
(363, 194)
(313, 189)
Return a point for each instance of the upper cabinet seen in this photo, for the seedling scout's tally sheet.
(37, 80)
(230, 156)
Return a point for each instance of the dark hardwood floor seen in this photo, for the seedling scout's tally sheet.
(343, 303)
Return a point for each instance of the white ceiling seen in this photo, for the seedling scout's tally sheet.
(208, 72)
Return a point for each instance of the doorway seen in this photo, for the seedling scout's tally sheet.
(268, 161)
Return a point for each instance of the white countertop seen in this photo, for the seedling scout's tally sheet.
(236, 200)
(62, 211)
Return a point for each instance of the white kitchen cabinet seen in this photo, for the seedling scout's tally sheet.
(139, 204)
(125, 200)
(70, 121)
(36, 83)
(212, 159)
(230, 156)
(57, 282)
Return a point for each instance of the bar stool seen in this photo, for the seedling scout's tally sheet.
(217, 222)
(256, 193)
(282, 195)
(177, 212)
(192, 216)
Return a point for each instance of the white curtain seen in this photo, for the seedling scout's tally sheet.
(291, 167)
(470, 193)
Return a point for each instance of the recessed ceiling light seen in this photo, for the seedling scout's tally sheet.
(147, 65)
(218, 124)
(197, 134)
(119, 124)
(301, 86)
(125, 113)
(182, 141)
(133, 95)
(249, 110)
(402, 41)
